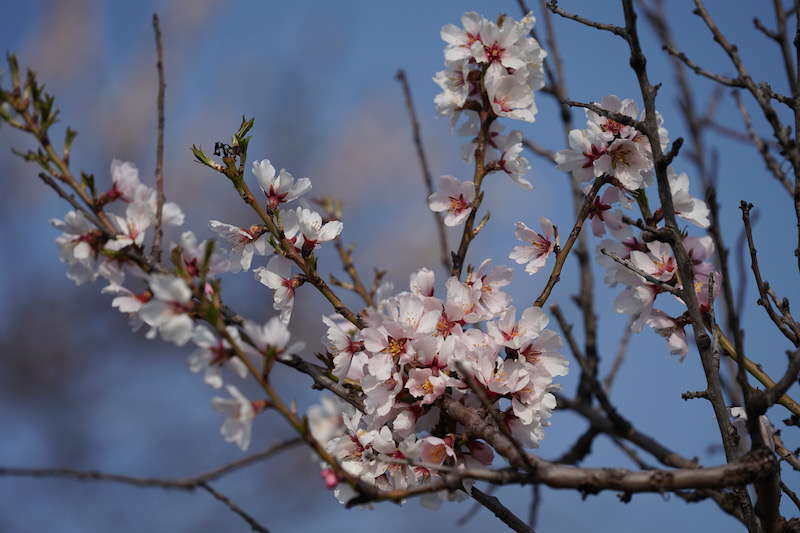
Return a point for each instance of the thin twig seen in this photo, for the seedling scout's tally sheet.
(608, 381)
(761, 145)
(423, 162)
(563, 252)
(500, 511)
(252, 522)
(647, 277)
(189, 483)
(473, 384)
(156, 250)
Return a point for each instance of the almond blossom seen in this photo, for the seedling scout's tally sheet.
(168, 310)
(78, 246)
(280, 187)
(213, 353)
(540, 245)
(687, 207)
(584, 150)
(511, 96)
(244, 243)
(455, 197)
(239, 414)
(277, 275)
(511, 161)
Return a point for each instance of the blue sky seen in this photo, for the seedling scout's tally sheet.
(319, 79)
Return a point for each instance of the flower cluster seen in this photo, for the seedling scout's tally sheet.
(607, 147)
(494, 68)
(89, 252)
(417, 348)
(416, 352)
(172, 304)
(621, 154)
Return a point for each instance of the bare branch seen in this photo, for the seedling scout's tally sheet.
(156, 250)
(423, 161)
(189, 483)
(761, 145)
(616, 30)
(252, 522)
(563, 253)
(500, 511)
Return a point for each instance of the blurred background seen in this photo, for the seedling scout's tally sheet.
(79, 389)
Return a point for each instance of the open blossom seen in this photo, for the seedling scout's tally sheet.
(167, 310)
(131, 228)
(307, 229)
(625, 161)
(511, 96)
(459, 41)
(280, 187)
(193, 254)
(512, 60)
(127, 187)
(608, 129)
(584, 151)
(345, 349)
(670, 329)
(213, 354)
(603, 217)
(487, 284)
(511, 160)
(686, 206)
(455, 197)
(277, 275)
(244, 243)
(78, 246)
(658, 262)
(239, 414)
(271, 338)
(538, 248)
(455, 87)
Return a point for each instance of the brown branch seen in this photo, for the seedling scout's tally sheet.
(70, 198)
(323, 381)
(608, 381)
(762, 147)
(252, 522)
(541, 151)
(755, 370)
(647, 277)
(189, 483)
(469, 233)
(664, 455)
(753, 467)
(764, 299)
(475, 387)
(500, 511)
(784, 453)
(156, 250)
(470, 514)
(563, 252)
(346, 256)
(423, 162)
(552, 5)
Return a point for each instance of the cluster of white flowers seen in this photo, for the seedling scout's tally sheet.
(418, 347)
(608, 148)
(167, 303)
(491, 67)
(81, 244)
